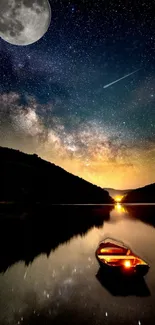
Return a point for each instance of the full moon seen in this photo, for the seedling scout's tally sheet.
(23, 22)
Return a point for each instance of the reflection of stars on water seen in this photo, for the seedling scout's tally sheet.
(68, 281)
(25, 275)
(66, 288)
(46, 294)
(53, 274)
(21, 320)
(74, 270)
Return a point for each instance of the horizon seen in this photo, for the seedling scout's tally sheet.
(104, 188)
(82, 96)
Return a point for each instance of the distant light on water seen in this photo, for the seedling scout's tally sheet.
(119, 207)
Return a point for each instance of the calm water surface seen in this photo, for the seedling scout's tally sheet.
(59, 284)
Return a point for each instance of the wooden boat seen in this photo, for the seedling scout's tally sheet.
(113, 255)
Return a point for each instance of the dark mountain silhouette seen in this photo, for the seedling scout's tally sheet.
(144, 194)
(25, 234)
(28, 178)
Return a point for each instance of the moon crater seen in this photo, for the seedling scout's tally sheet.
(23, 22)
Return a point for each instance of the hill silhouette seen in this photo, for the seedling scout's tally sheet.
(144, 194)
(28, 178)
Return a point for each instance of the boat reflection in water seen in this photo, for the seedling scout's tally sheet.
(115, 257)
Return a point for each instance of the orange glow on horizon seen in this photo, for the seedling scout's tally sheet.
(118, 198)
(97, 172)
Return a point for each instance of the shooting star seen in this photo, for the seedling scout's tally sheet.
(106, 86)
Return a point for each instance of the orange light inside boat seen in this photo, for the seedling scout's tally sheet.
(127, 264)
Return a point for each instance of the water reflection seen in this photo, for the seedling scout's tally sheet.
(26, 234)
(63, 288)
(118, 213)
(145, 213)
(120, 285)
(120, 208)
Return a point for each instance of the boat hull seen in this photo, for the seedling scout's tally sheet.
(140, 268)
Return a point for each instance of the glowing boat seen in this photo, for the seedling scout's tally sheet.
(115, 256)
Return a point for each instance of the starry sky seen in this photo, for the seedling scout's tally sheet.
(52, 96)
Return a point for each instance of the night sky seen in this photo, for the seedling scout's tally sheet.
(52, 96)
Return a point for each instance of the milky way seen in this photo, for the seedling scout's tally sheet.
(53, 101)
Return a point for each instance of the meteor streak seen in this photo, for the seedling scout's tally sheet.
(106, 86)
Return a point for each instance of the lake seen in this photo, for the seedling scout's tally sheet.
(49, 273)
